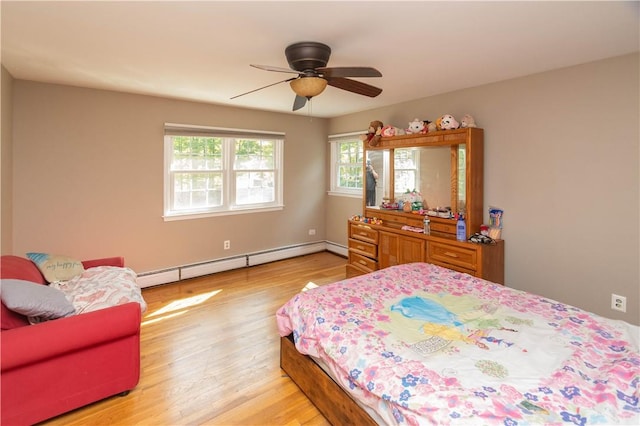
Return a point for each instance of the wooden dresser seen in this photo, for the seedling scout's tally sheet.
(373, 247)
(451, 161)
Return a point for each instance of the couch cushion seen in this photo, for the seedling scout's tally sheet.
(56, 267)
(35, 301)
(19, 268)
(10, 319)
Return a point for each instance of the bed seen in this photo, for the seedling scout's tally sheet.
(421, 344)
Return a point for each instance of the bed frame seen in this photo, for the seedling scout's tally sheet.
(331, 400)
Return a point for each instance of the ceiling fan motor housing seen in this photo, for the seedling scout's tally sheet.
(307, 55)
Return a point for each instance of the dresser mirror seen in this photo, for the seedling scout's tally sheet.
(445, 167)
(437, 172)
(377, 166)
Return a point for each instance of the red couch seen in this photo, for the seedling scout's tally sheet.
(56, 366)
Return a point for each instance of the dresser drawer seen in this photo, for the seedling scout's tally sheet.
(363, 248)
(447, 228)
(362, 233)
(445, 254)
(363, 262)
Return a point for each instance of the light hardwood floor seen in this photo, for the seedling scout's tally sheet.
(210, 351)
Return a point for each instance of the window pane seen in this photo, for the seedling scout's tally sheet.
(406, 167)
(405, 180)
(197, 190)
(350, 177)
(254, 155)
(405, 158)
(348, 167)
(255, 187)
(196, 153)
(350, 152)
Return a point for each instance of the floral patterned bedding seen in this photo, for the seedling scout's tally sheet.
(421, 344)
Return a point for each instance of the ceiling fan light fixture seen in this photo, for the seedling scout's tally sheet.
(308, 87)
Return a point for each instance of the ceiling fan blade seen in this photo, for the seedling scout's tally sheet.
(354, 86)
(263, 87)
(276, 69)
(299, 102)
(349, 72)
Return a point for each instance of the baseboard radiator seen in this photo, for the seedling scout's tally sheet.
(150, 279)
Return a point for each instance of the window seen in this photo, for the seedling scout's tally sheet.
(406, 170)
(211, 171)
(346, 164)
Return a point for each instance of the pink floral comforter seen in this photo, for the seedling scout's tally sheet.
(421, 344)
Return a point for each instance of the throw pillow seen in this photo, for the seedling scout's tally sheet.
(36, 301)
(55, 267)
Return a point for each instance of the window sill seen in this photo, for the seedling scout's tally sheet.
(344, 194)
(189, 216)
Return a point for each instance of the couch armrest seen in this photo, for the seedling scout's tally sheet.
(30, 344)
(107, 261)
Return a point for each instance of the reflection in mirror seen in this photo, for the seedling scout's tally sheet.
(462, 178)
(427, 170)
(377, 179)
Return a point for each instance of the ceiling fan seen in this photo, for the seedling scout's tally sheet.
(308, 59)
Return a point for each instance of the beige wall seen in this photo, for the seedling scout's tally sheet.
(562, 159)
(6, 168)
(88, 178)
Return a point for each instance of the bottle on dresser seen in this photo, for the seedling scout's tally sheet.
(461, 228)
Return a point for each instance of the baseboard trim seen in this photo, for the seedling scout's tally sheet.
(182, 272)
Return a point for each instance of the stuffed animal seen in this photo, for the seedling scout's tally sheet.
(467, 121)
(388, 131)
(439, 123)
(448, 122)
(374, 133)
(432, 127)
(416, 126)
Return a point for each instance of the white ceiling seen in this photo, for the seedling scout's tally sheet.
(201, 50)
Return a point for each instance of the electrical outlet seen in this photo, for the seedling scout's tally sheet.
(227, 244)
(312, 232)
(618, 303)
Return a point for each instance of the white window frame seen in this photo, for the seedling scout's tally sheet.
(229, 137)
(334, 141)
(415, 169)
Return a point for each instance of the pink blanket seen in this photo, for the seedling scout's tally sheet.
(421, 344)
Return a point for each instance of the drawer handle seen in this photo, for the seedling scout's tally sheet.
(361, 247)
(363, 262)
(364, 234)
(448, 253)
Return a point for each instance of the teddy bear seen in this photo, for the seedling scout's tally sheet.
(416, 126)
(468, 121)
(448, 122)
(432, 127)
(374, 133)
